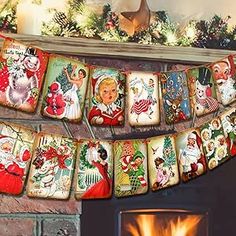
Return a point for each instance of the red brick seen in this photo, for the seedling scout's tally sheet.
(16, 227)
(9, 204)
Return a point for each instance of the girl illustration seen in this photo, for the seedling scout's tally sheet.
(141, 105)
(106, 109)
(163, 174)
(73, 110)
(12, 167)
(102, 188)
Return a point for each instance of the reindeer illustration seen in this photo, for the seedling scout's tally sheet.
(175, 109)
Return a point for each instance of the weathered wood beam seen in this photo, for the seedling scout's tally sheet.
(99, 48)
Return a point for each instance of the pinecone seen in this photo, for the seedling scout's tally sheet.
(61, 19)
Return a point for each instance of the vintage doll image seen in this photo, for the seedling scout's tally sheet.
(224, 75)
(16, 145)
(202, 91)
(130, 167)
(52, 167)
(175, 97)
(107, 97)
(214, 143)
(22, 71)
(228, 120)
(191, 158)
(65, 88)
(94, 170)
(162, 162)
(143, 98)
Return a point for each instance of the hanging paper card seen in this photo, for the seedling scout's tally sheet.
(52, 167)
(130, 168)
(107, 97)
(94, 170)
(175, 97)
(143, 98)
(65, 88)
(162, 162)
(202, 91)
(224, 75)
(190, 154)
(214, 143)
(228, 120)
(16, 145)
(22, 71)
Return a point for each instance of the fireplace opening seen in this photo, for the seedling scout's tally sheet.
(163, 222)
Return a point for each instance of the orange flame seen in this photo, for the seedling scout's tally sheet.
(147, 225)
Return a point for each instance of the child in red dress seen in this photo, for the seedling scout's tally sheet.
(106, 111)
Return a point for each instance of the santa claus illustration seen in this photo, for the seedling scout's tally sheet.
(224, 75)
(192, 158)
(12, 166)
(55, 102)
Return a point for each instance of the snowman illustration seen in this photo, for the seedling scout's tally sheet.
(22, 77)
(45, 185)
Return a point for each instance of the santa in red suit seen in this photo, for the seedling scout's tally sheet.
(55, 102)
(105, 110)
(12, 167)
(192, 158)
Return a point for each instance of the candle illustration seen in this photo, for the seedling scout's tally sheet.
(29, 18)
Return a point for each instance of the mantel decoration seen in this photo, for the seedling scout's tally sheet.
(155, 163)
(77, 19)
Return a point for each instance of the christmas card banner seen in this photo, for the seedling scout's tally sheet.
(181, 94)
(156, 163)
(134, 165)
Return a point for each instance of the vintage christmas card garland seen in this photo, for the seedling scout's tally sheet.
(134, 165)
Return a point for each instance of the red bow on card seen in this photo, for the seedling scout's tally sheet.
(52, 153)
(92, 144)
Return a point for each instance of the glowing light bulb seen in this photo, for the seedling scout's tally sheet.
(190, 31)
(171, 38)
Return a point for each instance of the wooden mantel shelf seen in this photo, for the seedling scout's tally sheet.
(99, 48)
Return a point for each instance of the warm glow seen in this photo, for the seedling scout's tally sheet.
(148, 225)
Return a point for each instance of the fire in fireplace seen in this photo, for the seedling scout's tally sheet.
(163, 222)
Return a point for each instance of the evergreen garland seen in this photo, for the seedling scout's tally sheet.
(80, 20)
(84, 164)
